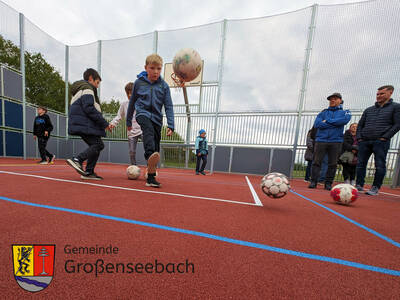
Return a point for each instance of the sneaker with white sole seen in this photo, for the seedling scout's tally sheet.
(92, 176)
(43, 162)
(77, 165)
(359, 188)
(51, 160)
(373, 191)
(151, 181)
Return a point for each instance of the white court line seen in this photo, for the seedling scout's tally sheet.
(389, 194)
(253, 192)
(128, 189)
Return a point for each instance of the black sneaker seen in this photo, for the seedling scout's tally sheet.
(202, 173)
(77, 165)
(312, 185)
(91, 176)
(328, 186)
(151, 181)
(359, 188)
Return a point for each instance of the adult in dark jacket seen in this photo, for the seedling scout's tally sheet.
(42, 128)
(86, 120)
(350, 146)
(378, 124)
(309, 156)
(330, 124)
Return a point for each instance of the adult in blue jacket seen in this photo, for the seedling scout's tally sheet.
(329, 138)
(378, 124)
(86, 120)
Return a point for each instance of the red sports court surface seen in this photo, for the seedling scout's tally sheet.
(241, 244)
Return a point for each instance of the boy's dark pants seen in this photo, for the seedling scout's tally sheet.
(199, 158)
(349, 172)
(333, 150)
(92, 153)
(380, 150)
(151, 135)
(42, 143)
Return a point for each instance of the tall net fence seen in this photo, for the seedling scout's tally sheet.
(264, 79)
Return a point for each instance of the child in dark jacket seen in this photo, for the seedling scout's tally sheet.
(41, 130)
(201, 152)
(86, 120)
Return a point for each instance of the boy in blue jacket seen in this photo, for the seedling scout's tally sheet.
(86, 120)
(150, 94)
(201, 152)
(329, 138)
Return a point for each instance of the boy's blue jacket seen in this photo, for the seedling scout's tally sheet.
(148, 99)
(201, 145)
(331, 131)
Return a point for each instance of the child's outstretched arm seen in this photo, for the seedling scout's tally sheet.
(169, 109)
(121, 114)
(131, 107)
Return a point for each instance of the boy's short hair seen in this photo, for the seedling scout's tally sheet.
(44, 108)
(128, 87)
(387, 87)
(154, 59)
(91, 72)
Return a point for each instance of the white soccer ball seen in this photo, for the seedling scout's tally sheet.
(275, 185)
(344, 193)
(133, 172)
(187, 64)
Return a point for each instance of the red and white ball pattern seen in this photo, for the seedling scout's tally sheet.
(275, 185)
(344, 193)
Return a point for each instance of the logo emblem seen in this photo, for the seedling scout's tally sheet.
(33, 266)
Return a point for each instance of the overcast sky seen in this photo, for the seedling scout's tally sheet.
(76, 22)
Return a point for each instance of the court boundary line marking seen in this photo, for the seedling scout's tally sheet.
(253, 192)
(385, 193)
(129, 189)
(215, 237)
(383, 237)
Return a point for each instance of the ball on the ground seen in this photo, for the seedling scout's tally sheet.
(275, 185)
(133, 172)
(187, 64)
(344, 193)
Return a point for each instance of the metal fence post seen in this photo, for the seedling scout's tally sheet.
(302, 95)
(22, 67)
(396, 174)
(99, 64)
(155, 41)
(66, 89)
(220, 74)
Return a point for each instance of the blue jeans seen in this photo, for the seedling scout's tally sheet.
(379, 149)
(324, 168)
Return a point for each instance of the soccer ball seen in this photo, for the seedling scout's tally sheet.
(344, 193)
(187, 64)
(133, 172)
(275, 185)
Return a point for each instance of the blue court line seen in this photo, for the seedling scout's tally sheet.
(350, 220)
(216, 237)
